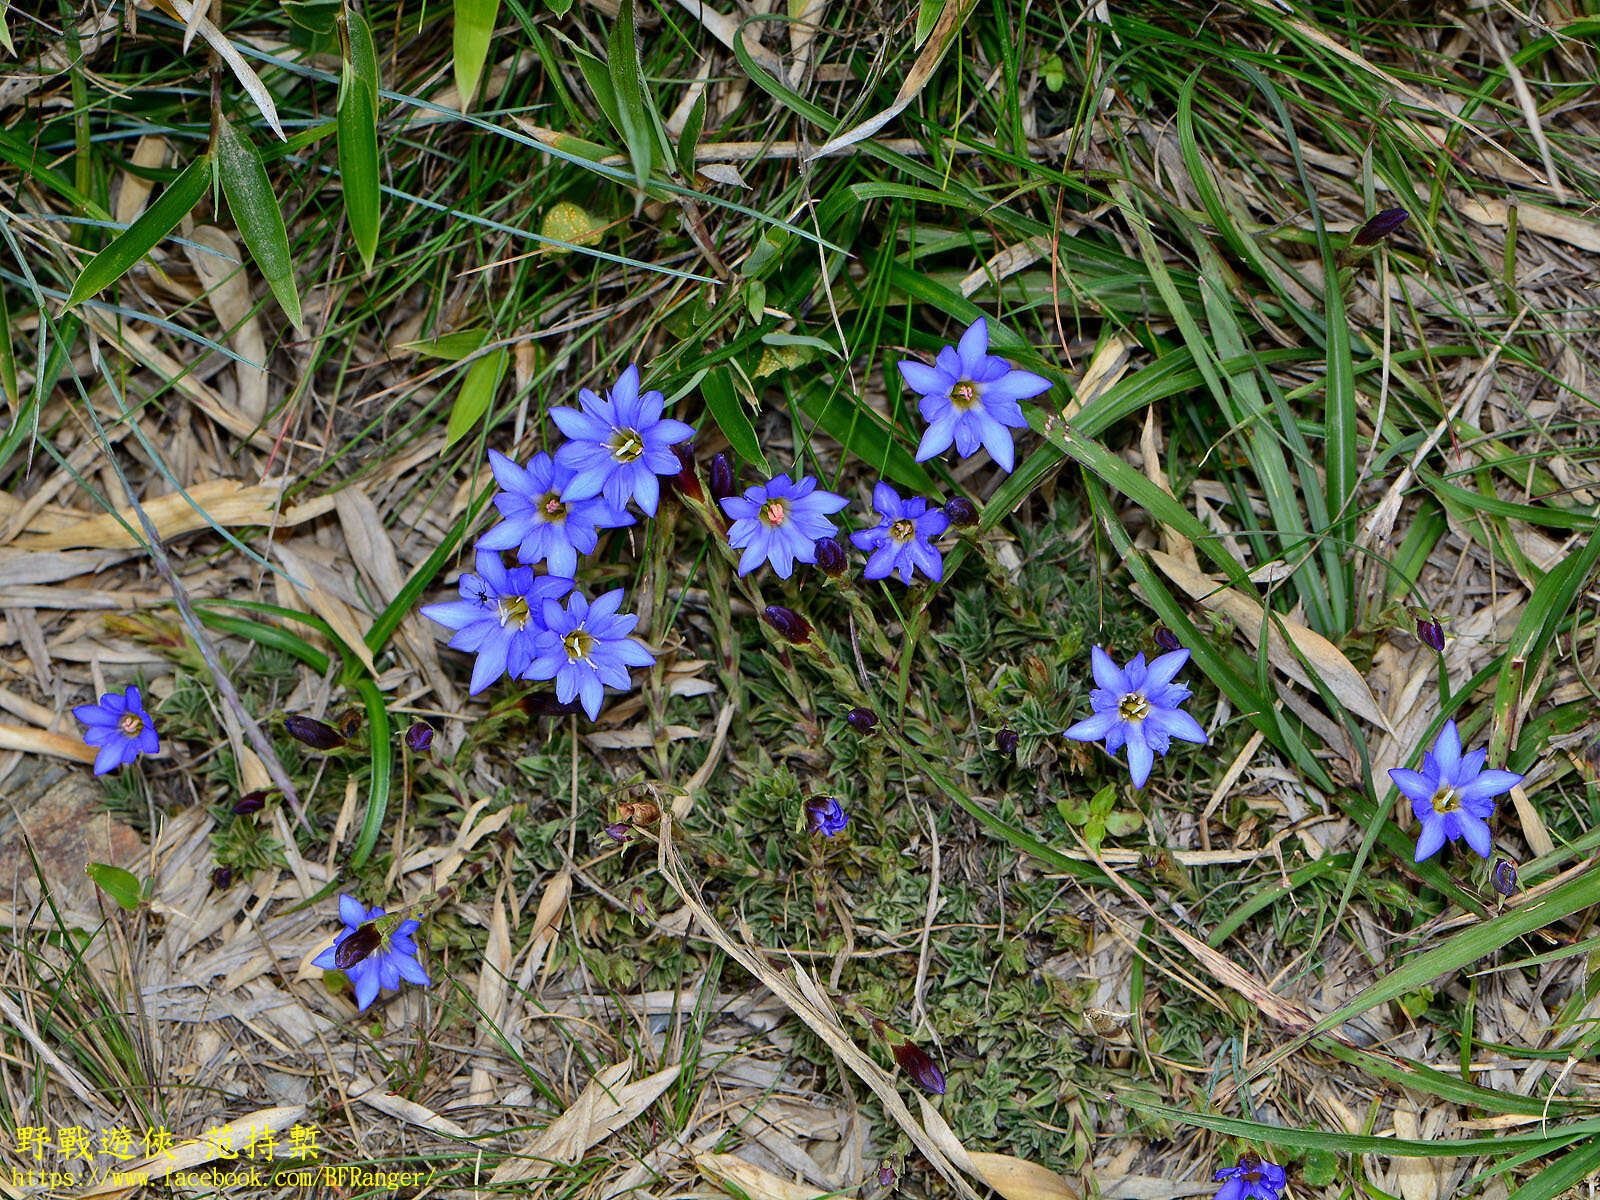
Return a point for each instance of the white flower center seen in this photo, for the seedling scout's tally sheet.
(626, 445)
(1133, 707)
(1446, 800)
(513, 610)
(903, 530)
(578, 643)
(964, 396)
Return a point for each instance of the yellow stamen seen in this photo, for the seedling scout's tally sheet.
(513, 610)
(626, 445)
(903, 530)
(578, 643)
(1133, 707)
(1446, 800)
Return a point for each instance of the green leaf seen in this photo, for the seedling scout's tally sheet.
(255, 211)
(689, 139)
(122, 886)
(474, 30)
(477, 393)
(627, 82)
(452, 347)
(382, 782)
(134, 242)
(728, 412)
(358, 140)
(927, 17)
(8, 360)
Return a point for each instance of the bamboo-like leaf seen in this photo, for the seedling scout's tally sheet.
(478, 387)
(729, 414)
(153, 224)
(474, 30)
(627, 82)
(689, 139)
(358, 139)
(120, 884)
(242, 71)
(255, 211)
(8, 351)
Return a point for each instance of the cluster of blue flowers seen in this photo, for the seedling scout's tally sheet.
(969, 398)
(552, 510)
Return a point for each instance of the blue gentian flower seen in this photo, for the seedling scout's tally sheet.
(1252, 1179)
(585, 646)
(393, 957)
(902, 540)
(539, 525)
(779, 522)
(1138, 705)
(121, 728)
(1453, 796)
(825, 815)
(618, 445)
(497, 616)
(969, 397)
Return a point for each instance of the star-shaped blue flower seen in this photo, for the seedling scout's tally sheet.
(584, 647)
(1252, 1179)
(121, 728)
(619, 444)
(393, 958)
(1453, 796)
(1138, 705)
(497, 616)
(779, 522)
(539, 525)
(969, 397)
(902, 539)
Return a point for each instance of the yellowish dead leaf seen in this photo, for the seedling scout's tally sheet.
(747, 1179)
(1584, 233)
(228, 502)
(1335, 671)
(215, 257)
(604, 1106)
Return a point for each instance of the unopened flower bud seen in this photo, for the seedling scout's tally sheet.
(961, 511)
(361, 942)
(639, 902)
(862, 720)
(914, 1061)
(886, 1175)
(319, 735)
(1166, 639)
(618, 831)
(1380, 227)
(222, 877)
(350, 721)
(1430, 634)
(724, 477)
(825, 815)
(788, 624)
(688, 482)
(639, 812)
(1504, 876)
(1006, 741)
(831, 558)
(419, 737)
(250, 802)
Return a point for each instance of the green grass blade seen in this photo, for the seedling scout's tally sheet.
(255, 211)
(627, 83)
(473, 31)
(176, 201)
(478, 387)
(381, 742)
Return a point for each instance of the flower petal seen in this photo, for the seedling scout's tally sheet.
(1092, 729)
(1490, 784)
(1431, 839)
(1140, 757)
(1106, 673)
(1447, 752)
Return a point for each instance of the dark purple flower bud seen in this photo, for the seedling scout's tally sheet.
(362, 941)
(886, 1175)
(724, 477)
(1430, 634)
(1167, 640)
(825, 815)
(1006, 741)
(1380, 227)
(961, 511)
(222, 877)
(788, 624)
(1504, 876)
(639, 902)
(831, 558)
(914, 1061)
(862, 720)
(419, 737)
(250, 802)
(350, 722)
(688, 482)
(618, 831)
(545, 704)
(317, 734)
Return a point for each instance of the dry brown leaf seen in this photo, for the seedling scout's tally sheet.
(1336, 672)
(377, 1096)
(638, 738)
(216, 260)
(604, 1106)
(953, 16)
(148, 152)
(493, 970)
(1019, 1179)
(339, 615)
(40, 741)
(1535, 218)
(747, 1179)
(228, 502)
